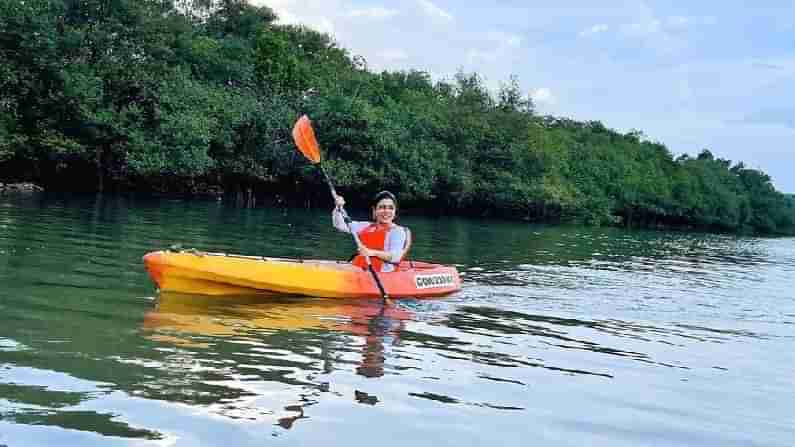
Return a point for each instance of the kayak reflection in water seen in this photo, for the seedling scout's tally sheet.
(197, 324)
(381, 330)
(385, 242)
(176, 318)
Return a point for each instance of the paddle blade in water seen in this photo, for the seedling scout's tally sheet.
(304, 138)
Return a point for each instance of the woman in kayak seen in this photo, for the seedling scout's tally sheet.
(382, 240)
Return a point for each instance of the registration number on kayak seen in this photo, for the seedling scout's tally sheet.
(431, 281)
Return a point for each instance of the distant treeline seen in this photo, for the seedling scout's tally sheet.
(199, 96)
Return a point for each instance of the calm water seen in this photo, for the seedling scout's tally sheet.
(561, 336)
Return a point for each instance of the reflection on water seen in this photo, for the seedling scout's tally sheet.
(564, 335)
(191, 320)
(40, 397)
(276, 339)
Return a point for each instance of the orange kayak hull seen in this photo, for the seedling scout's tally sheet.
(224, 274)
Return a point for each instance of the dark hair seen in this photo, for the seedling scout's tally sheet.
(384, 195)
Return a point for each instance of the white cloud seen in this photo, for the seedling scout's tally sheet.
(494, 46)
(287, 18)
(646, 27)
(433, 11)
(658, 36)
(542, 95)
(273, 4)
(504, 39)
(315, 14)
(682, 21)
(596, 29)
(373, 13)
(393, 55)
(475, 56)
(655, 25)
(323, 25)
(677, 21)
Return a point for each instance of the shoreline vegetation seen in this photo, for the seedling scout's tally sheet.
(197, 98)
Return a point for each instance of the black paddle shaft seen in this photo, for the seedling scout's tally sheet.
(355, 236)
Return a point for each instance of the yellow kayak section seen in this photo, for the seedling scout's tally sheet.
(204, 273)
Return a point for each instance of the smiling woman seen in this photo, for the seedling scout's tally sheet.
(385, 242)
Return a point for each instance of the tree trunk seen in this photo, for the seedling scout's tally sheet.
(100, 170)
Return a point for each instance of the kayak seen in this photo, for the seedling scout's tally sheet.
(196, 272)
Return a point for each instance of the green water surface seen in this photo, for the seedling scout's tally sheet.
(562, 335)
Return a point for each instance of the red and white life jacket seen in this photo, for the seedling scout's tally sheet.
(373, 237)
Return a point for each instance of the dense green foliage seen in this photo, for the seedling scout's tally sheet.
(196, 95)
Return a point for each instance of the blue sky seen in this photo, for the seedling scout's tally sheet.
(710, 74)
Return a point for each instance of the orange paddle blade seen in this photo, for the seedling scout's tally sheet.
(304, 138)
